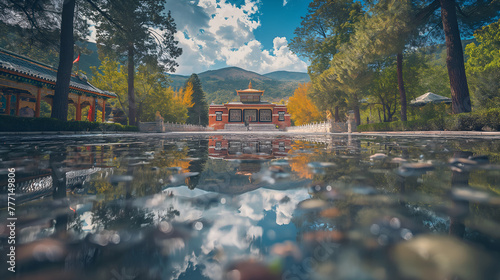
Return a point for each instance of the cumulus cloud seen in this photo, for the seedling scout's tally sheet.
(285, 2)
(216, 33)
(253, 57)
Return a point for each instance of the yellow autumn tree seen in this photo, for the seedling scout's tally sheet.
(185, 95)
(301, 108)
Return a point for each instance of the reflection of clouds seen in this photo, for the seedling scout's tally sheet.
(231, 228)
(269, 200)
(179, 268)
(87, 224)
(230, 232)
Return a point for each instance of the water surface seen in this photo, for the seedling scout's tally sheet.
(273, 206)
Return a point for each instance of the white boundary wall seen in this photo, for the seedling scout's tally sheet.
(160, 126)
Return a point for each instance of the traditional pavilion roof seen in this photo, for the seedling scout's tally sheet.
(20, 68)
(430, 98)
(250, 90)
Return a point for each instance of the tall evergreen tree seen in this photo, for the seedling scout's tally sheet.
(136, 31)
(198, 114)
(327, 25)
(470, 15)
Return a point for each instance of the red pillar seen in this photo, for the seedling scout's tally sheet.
(78, 109)
(103, 109)
(8, 97)
(92, 116)
(37, 106)
(18, 104)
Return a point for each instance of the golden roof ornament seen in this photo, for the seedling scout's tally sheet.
(250, 85)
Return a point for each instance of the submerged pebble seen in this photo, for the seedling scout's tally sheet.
(378, 156)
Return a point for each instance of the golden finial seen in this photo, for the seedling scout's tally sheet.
(250, 85)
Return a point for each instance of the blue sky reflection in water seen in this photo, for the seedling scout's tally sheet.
(196, 207)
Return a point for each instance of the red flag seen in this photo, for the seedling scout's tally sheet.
(77, 59)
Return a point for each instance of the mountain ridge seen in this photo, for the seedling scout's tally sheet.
(220, 85)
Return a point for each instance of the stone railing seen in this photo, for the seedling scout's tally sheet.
(327, 127)
(160, 126)
(311, 127)
(168, 126)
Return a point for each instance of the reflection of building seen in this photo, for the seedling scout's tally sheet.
(221, 146)
(250, 153)
(250, 109)
(24, 83)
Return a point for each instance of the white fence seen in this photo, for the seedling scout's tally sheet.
(322, 127)
(311, 127)
(160, 126)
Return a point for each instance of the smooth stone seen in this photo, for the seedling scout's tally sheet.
(378, 156)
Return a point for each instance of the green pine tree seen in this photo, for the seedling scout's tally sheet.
(198, 114)
(136, 32)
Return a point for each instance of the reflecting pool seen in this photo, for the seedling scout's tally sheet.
(236, 206)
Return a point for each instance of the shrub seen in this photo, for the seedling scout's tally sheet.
(481, 120)
(18, 124)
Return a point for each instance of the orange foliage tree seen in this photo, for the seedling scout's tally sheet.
(185, 95)
(301, 108)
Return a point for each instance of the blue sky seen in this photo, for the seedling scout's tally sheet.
(251, 34)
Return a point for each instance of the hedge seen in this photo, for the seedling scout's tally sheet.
(481, 120)
(18, 124)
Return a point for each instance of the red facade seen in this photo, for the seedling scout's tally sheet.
(250, 109)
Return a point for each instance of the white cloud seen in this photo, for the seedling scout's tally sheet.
(253, 57)
(285, 2)
(216, 33)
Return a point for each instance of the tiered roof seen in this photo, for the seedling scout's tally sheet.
(22, 69)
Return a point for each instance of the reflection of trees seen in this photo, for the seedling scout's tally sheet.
(59, 186)
(459, 178)
(220, 176)
(197, 149)
(346, 161)
(116, 215)
(301, 150)
(172, 156)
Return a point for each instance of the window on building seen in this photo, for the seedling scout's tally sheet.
(218, 145)
(281, 146)
(234, 147)
(281, 116)
(235, 115)
(265, 115)
(250, 115)
(218, 116)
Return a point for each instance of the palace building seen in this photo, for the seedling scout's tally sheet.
(25, 83)
(251, 111)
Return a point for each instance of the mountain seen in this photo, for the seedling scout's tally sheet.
(232, 74)
(289, 76)
(220, 85)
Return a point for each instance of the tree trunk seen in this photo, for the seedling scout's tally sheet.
(61, 92)
(455, 58)
(131, 95)
(337, 115)
(401, 85)
(357, 117)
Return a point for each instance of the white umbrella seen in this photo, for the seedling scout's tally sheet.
(429, 98)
